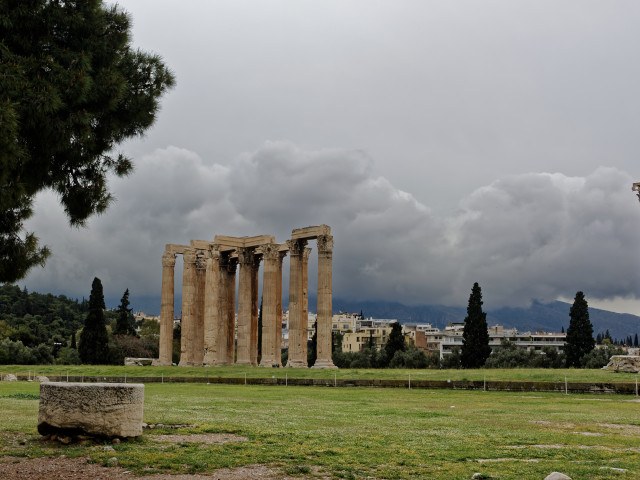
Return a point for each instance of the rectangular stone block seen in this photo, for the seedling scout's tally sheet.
(102, 409)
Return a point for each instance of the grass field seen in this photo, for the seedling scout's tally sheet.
(364, 432)
(238, 371)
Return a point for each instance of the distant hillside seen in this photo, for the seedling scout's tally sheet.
(539, 316)
(550, 317)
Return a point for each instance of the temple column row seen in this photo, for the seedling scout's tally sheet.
(208, 305)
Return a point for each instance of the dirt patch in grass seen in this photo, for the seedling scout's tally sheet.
(209, 438)
(627, 430)
(64, 468)
(553, 424)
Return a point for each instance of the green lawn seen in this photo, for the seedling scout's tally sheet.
(365, 432)
(514, 374)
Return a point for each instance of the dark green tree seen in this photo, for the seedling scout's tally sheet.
(94, 340)
(73, 341)
(475, 337)
(579, 340)
(395, 342)
(125, 321)
(72, 89)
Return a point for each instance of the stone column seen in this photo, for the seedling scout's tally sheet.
(253, 342)
(269, 305)
(188, 307)
(212, 323)
(245, 260)
(230, 327)
(222, 326)
(325, 307)
(304, 326)
(198, 332)
(296, 252)
(278, 347)
(166, 308)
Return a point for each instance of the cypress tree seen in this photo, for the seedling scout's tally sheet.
(635, 340)
(125, 320)
(475, 337)
(395, 342)
(73, 341)
(94, 347)
(579, 339)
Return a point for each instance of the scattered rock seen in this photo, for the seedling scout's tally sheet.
(64, 440)
(480, 476)
(115, 441)
(41, 378)
(624, 363)
(109, 449)
(10, 378)
(112, 462)
(557, 476)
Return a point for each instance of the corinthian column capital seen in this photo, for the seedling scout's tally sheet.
(168, 259)
(189, 256)
(296, 247)
(325, 243)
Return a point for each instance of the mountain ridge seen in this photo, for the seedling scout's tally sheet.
(547, 316)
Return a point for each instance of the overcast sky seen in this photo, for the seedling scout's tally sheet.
(445, 143)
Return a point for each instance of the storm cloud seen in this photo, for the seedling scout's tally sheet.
(522, 237)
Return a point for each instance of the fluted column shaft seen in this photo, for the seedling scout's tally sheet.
(212, 323)
(245, 260)
(269, 317)
(230, 327)
(304, 324)
(221, 344)
(188, 308)
(198, 332)
(296, 251)
(166, 308)
(325, 306)
(253, 342)
(278, 343)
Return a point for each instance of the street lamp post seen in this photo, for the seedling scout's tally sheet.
(636, 188)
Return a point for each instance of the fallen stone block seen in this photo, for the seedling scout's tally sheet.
(624, 363)
(101, 409)
(143, 362)
(10, 378)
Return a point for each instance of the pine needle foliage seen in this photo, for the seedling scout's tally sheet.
(72, 89)
(475, 337)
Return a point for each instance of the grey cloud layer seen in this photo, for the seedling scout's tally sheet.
(536, 235)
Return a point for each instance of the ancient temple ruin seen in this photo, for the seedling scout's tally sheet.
(208, 322)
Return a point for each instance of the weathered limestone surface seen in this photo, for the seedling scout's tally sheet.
(624, 363)
(10, 378)
(138, 361)
(103, 409)
(208, 323)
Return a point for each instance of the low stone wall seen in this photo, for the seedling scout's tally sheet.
(623, 388)
(102, 409)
